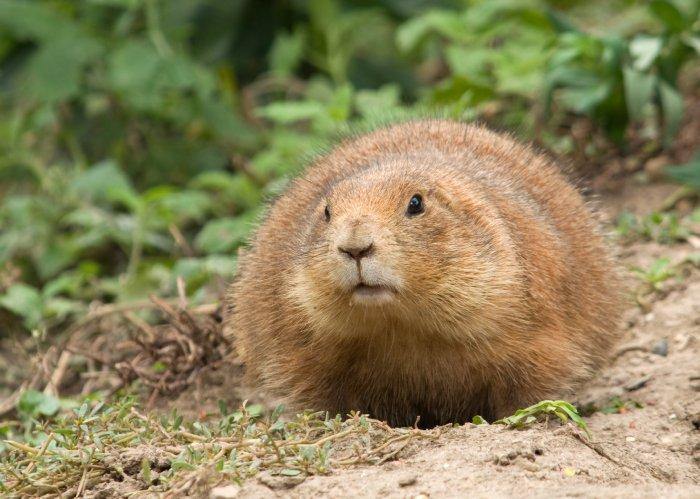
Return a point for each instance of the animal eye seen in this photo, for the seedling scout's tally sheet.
(327, 213)
(415, 205)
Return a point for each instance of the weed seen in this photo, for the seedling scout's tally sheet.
(658, 272)
(664, 228)
(522, 418)
(96, 442)
(618, 406)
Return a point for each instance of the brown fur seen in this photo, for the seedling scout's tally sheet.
(505, 293)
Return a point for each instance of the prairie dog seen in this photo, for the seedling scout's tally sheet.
(429, 269)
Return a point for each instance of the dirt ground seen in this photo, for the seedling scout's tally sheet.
(649, 448)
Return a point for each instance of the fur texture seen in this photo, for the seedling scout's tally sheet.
(499, 294)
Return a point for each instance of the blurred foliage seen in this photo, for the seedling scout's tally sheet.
(138, 138)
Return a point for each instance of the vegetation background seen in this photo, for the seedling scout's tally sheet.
(139, 139)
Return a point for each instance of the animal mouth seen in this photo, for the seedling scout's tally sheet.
(372, 294)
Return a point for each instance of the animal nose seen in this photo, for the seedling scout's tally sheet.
(357, 251)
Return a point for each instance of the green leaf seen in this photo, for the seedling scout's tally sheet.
(224, 234)
(672, 107)
(688, 174)
(54, 73)
(286, 113)
(693, 42)
(34, 403)
(371, 103)
(102, 182)
(159, 366)
(238, 189)
(585, 99)
(560, 408)
(60, 308)
(167, 206)
(644, 50)
(445, 22)
(478, 420)
(286, 52)
(639, 91)
(669, 14)
(24, 301)
(35, 20)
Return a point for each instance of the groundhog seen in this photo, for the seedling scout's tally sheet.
(430, 270)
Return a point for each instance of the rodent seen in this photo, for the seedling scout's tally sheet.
(430, 269)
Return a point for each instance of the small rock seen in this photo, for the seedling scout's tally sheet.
(631, 439)
(637, 384)
(407, 480)
(679, 410)
(661, 348)
(279, 482)
(695, 385)
(527, 465)
(224, 492)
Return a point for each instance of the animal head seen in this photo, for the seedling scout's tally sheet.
(397, 244)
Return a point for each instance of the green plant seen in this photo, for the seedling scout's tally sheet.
(478, 74)
(563, 410)
(99, 443)
(618, 406)
(658, 272)
(615, 80)
(665, 228)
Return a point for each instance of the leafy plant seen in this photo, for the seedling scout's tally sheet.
(164, 454)
(616, 80)
(618, 406)
(662, 227)
(563, 410)
(658, 272)
(139, 139)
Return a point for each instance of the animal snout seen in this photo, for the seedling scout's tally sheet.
(357, 250)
